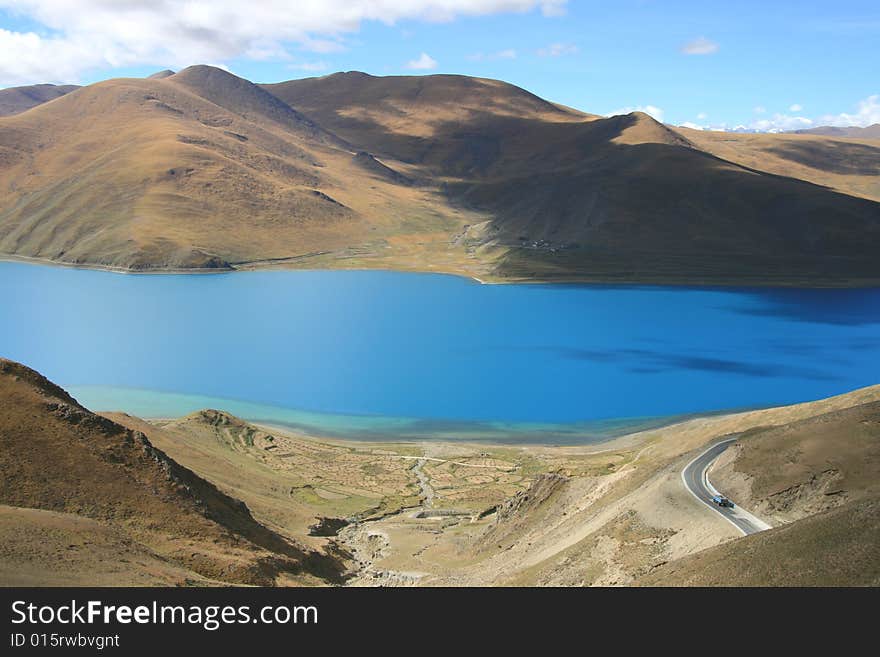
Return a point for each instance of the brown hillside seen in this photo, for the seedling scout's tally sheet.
(159, 75)
(788, 472)
(847, 164)
(202, 169)
(41, 548)
(840, 547)
(574, 196)
(16, 100)
(153, 174)
(246, 99)
(57, 456)
(819, 478)
(399, 115)
(868, 132)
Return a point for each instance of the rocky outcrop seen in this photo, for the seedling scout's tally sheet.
(522, 512)
(524, 502)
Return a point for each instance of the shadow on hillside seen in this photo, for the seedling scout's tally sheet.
(838, 157)
(234, 515)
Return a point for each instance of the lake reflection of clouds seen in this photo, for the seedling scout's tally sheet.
(645, 361)
(842, 307)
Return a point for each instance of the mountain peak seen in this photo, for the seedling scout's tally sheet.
(243, 97)
(642, 128)
(161, 75)
(16, 100)
(202, 74)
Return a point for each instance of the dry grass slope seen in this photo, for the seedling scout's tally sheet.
(57, 456)
(195, 170)
(15, 100)
(802, 468)
(202, 169)
(819, 478)
(840, 547)
(573, 196)
(868, 132)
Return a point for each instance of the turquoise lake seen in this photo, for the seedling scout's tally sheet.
(368, 354)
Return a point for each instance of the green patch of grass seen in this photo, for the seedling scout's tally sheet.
(342, 507)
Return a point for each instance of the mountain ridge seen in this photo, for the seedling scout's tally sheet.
(15, 100)
(201, 169)
(866, 132)
(59, 457)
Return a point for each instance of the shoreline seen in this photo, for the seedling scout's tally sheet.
(159, 406)
(48, 262)
(377, 437)
(575, 280)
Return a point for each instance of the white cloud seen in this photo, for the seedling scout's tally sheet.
(867, 113)
(267, 51)
(760, 109)
(650, 110)
(508, 53)
(693, 126)
(554, 8)
(781, 123)
(558, 49)
(75, 37)
(424, 63)
(700, 46)
(28, 57)
(702, 116)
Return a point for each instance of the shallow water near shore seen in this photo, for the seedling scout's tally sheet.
(151, 404)
(372, 354)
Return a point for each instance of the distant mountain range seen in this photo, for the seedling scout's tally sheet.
(869, 132)
(203, 169)
(16, 100)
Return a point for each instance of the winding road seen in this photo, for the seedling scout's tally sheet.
(695, 479)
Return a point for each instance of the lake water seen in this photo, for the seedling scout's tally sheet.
(398, 355)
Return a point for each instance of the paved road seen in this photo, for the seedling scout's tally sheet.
(697, 482)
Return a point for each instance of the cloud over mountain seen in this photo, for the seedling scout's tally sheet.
(867, 113)
(76, 37)
(423, 62)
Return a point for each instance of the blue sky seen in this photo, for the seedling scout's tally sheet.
(764, 65)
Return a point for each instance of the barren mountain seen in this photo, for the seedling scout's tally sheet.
(16, 100)
(196, 170)
(96, 482)
(869, 132)
(818, 481)
(572, 195)
(202, 169)
(845, 164)
(159, 75)
(800, 469)
(835, 548)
